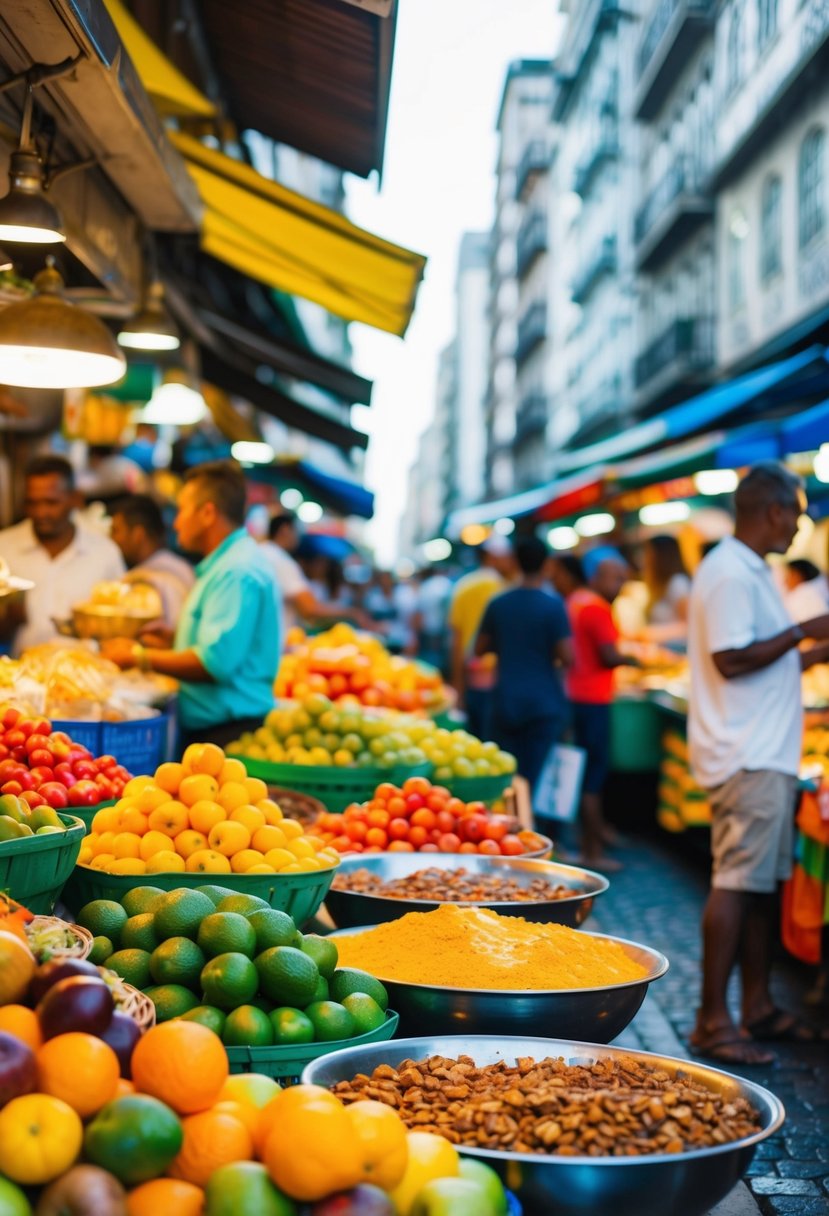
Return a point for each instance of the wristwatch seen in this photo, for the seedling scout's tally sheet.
(139, 653)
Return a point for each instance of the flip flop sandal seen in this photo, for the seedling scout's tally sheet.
(780, 1026)
(731, 1047)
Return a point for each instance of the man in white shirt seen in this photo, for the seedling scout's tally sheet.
(745, 733)
(63, 560)
(138, 531)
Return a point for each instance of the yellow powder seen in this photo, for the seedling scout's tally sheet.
(457, 947)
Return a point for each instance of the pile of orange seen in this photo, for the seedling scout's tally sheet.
(203, 816)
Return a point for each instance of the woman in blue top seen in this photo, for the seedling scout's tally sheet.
(528, 630)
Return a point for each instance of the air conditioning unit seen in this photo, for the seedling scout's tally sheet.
(380, 8)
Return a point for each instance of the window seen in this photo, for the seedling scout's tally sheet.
(734, 49)
(766, 21)
(811, 186)
(737, 233)
(771, 229)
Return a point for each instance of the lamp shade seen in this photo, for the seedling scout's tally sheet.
(26, 214)
(45, 342)
(152, 328)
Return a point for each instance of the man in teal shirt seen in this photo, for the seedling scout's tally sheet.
(227, 643)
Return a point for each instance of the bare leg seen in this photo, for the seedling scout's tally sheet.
(755, 957)
(592, 826)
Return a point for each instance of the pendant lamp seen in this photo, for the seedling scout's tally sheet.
(26, 214)
(152, 328)
(46, 342)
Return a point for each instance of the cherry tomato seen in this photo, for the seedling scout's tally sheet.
(385, 791)
(490, 848)
(418, 837)
(468, 847)
(414, 802)
(429, 848)
(396, 806)
(398, 829)
(376, 838)
(356, 830)
(449, 843)
(417, 785)
(424, 818)
(511, 846)
(378, 819)
(472, 828)
(401, 846)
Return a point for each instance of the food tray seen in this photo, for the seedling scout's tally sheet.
(289, 1059)
(140, 744)
(300, 895)
(34, 869)
(334, 787)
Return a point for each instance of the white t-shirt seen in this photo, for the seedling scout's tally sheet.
(289, 579)
(60, 582)
(808, 600)
(752, 721)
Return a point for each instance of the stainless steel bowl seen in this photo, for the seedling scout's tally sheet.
(594, 1014)
(103, 621)
(682, 1184)
(351, 908)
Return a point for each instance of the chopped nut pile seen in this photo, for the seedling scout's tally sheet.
(459, 885)
(612, 1108)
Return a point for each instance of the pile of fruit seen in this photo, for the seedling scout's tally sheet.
(18, 818)
(204, 815)
(234, 964)
(419, 817)
(184, 1137)
(355, 668)
(46, 768)
(317, 732)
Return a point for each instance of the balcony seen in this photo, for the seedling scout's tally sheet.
(681, 351)
(675, 30)
(531, 241)
(589, 20)
(677, 205)
(605, 149)
(601, 263)
(597, 410)
(531, 418)
(532, 331)
(535, 160)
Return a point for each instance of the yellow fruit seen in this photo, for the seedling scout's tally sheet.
(229, 837)
(169, 777)
(294, 868)
(269, 838)
(271, 810)
(291, 828)
(204, 758)
(154, 842)
(262, 868)
(207, 861)
(102, 861)
(134, 786)
(189, 841)
(126, 844)
(304, 866)
(302, 848)
(232, 770)
(106, 820)
(279, 858)
(343, 758)
(165, 862)
(232, 794)
(245, 859)
(133, 820)
(198, 787)
(169, 818)
(252, 818)
(151, 797)
(256, 788)
(205, 814)
(86, 854)
(104, 843)
(128, 865)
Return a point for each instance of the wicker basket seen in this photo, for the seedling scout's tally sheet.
(301, 807)
(136, 1005)
(81, 945)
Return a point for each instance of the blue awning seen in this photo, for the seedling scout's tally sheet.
(344, 497)
(517, 506)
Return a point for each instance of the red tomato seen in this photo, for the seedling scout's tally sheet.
(56, 795)
(42, 726)
(449, 843)
(37, 743)
(435, 802)
(85, 770)
(106, 787)
(376, 838)
(105, 762)
(342, 844)
(63, 773)
(468, 847)
(511, 846)
(32, 798)
(15, 738)
(455, 806)
(11, 787)
(27, 726)
(429, 848)
(26, 779)
(490, 848)
(83, 793)
(414, 802)
(8, 769)
(396, 806)
(442, 791)
(4, 752)
(401, 846)
(418, 837)
(417, 785)
(42, 774)
(41, 757)
(398, 829)
(472, 828)
(11, 717)
(424, 818)
(356, 831)
(378, 819)
(19, 754)
(445, 821)
(476, 808)
(385, 791)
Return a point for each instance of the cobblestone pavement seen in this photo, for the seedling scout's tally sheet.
(657, 899)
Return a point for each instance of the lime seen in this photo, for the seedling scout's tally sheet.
(177, 961)
(180, 913)
(13, 1202)
(171, 1001)
(217, 894)
(286, 975)
(133, 966)
(139, 932)
(291, 1026)
(141, 899)
(365, 1012)
(135, 1138)
(102, 947)
(273, 928)
(321, 992)
(247, 1026)
(243, 904)
(103, 918)
(229, 980)
(322, 951)
(330, 1021)
(206, 1015)
(486, 1178)
(227, 932)
(244, 1186)
(349, 979)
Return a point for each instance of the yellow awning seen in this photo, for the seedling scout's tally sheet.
(172, 92)
(300, 246)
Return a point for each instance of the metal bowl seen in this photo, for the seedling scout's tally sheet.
(349, 909)
(103, 621)
(681, 1184)
(594, 1014)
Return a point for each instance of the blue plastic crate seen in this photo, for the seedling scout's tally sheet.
(139, 745)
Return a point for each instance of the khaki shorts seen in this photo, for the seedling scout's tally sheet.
(752, 831)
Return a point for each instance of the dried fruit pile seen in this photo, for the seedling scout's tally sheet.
(455, 886)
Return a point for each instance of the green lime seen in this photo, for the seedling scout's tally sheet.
(102, 947)
(244, 1186)
(247, 1026)
(321, 992)
(286, 975)
(322, 950)
(291, 1026)
(484, 1175)
(243, 904)
(142, 899)
(365, 1012)
(103, 918)
(206, 1015)
(349, 979)
(330, 1021)
(135, 1138)
(180, 913)
(217, 894)
(177, 961)
(13, 1202)
(139, 932)
(133, 966)
(171, 1001)
(227, 932)
(229, 980)
(273, 928)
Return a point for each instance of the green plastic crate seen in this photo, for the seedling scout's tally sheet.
(300, 895)
(88, 813)
(35, 869)
(335, 787)
(289, 1059)
(479, 789)
(635, 736)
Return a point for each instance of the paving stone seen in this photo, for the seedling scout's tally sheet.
(784, 1186)
(796, 1205)
(801, 1169)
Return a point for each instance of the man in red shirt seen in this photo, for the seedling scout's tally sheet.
(590, 680)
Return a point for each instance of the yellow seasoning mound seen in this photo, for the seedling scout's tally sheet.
(455, 947)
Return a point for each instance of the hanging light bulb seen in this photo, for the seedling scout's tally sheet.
(152, 328)
(6, 262)
(175, 402)
(46, 342)
(26, 214)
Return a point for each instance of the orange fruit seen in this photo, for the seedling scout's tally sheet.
(310, 1145)
(182, 1063)
(167, 1196)
(154, 842)
(126, 844)
(245, 1112)
(205, 814)
(133, 820)
(228, 837)
(250, 816)
(22, 1023)
(151, 797)
(169, 776)
(80, 1069)
(188, 842)
(269, 838)
(135, 785)
(271, 810)
(198, 787)
(278, 859)
(211, 1139)
(243, 861)
(207, 861)
(384, 1149)
(110, 817)
(204, 758)
(170, 818)
(232, 770)
(233, 794)
(40, 1138)
(256, 788)
(165, 862)
(125, 1088)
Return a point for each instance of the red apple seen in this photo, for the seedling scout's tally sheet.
(57, 795)
(106, 788)
(27, 726)
(41, 757)
(42, 775)
(63, 773)
(4, 752)
(18, 1068)
(37, 742)
(43, 726)
(85, 770)
(84, 793)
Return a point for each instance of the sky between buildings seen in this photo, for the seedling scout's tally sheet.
(450, 60)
